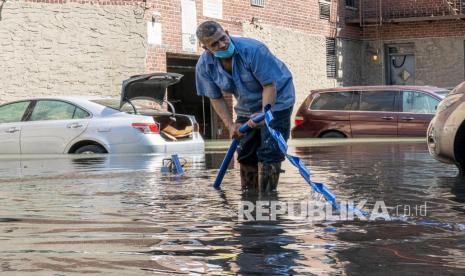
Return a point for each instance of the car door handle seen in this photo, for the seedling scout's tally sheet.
(388, 118)
(74, 125)
(12, 130)
(407, 118)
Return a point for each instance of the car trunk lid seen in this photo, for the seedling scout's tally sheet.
(149, 86)
(152, 87)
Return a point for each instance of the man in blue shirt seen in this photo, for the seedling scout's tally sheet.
(247, 69)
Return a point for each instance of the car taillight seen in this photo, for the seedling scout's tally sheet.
(298, 120)
(147, 128)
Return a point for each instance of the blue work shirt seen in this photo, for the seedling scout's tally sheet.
(253, 66)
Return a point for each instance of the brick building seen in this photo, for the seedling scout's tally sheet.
(56, 47)
(416, 42)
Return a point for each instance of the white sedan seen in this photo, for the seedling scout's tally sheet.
(133, 124)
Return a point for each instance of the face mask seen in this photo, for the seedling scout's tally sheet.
(225, 53)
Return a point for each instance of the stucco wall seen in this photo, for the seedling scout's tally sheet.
(304, 54)
(69, 49)
(438, 61)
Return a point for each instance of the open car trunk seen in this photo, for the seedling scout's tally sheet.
(174, 127)
(146, 95)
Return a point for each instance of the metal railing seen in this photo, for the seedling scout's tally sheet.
(370, 12)
(455, 6)
(375, 12)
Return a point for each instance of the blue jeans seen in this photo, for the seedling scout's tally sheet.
(259, 146)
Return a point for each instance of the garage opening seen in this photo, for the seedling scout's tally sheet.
(184, 94)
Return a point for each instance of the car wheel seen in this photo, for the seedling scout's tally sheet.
(333, 134)
(90, 149)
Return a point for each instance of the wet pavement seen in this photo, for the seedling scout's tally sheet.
(119, 215)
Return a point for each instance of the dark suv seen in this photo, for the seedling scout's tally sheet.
(367, 111)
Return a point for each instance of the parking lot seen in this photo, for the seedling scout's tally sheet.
(120, 214)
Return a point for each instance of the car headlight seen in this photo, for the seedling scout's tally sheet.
(448, 102)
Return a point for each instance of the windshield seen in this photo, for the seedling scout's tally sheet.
(143, 106)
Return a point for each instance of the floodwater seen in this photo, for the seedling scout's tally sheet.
(120, 215)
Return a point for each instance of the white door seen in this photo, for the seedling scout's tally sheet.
(51, 126)
(11, 116)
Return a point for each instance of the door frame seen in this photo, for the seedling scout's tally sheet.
(212, 119)
(407, 48)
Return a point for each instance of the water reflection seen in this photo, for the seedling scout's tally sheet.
(401, 175)
(12, 167)
(120, 215)
(264, 244)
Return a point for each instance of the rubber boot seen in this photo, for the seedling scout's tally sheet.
(268, 176)
(249, 176)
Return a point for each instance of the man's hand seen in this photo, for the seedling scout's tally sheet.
(222, 110)
(252, 124)
(269, 98)
(234, 131)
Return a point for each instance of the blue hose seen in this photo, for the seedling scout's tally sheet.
(229, 155)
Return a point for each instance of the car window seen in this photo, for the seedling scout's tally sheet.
(417, 102)
(56, 110)
(80, 114)
(13, 112)
(332, 101)
(377, 100)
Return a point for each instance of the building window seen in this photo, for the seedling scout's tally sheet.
(325, 9)
(330, 57)
(257, 3)
(351, 3)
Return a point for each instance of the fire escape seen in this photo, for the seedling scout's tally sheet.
(374, 13)
(455, 6)
(372, 16)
